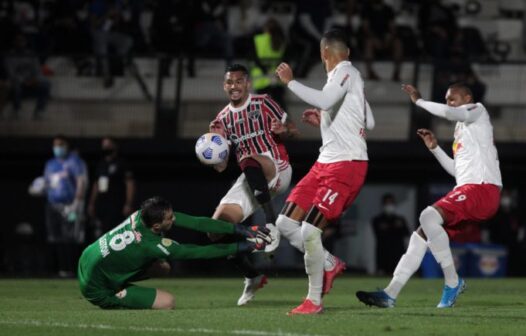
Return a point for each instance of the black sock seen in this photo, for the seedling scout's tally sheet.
(245, 266)
(259, 185)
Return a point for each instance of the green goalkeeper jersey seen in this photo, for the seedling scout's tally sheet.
(124, 253)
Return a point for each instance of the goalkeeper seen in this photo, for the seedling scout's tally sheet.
(136, 250)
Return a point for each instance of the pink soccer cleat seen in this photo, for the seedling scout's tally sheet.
(329, 276)
(307, 308)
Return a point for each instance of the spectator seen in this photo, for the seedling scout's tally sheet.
(211, 30)
(380, 36)
(65, 185)
(269, 48)
(306, 33)
(113, 191)
(109, 30)
(25, 78)
(507, 229)
(390, 230)
(438, 27)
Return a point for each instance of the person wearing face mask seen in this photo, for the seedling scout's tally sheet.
(65, 178)
(113, 191)
(390, 230)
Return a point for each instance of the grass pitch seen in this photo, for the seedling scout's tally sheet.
(208, 307)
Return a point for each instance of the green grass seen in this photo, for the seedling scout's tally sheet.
(208, 307)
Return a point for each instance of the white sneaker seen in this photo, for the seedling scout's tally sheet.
(251, 286)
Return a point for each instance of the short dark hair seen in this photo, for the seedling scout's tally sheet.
(237, 67)
(388, 197)
(153, 210)
(462, 87)
(61, 137)
(336, 35)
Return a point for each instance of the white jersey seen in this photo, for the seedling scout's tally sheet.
(475, 156)
(345, 113)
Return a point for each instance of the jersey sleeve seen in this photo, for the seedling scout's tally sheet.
(170, 249)
(202, 224)
(369, 117)
(275, 110)
(465, 113)
(325, 99)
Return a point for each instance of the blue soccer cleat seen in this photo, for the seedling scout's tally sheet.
(378, 299)
(450, 295)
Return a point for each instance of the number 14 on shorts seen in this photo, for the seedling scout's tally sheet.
(330, 197)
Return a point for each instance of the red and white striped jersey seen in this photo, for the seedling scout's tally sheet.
(248, 128)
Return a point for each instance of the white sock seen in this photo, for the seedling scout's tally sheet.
(408, 265)
(438, 243)
(290, 229)
(314, 259)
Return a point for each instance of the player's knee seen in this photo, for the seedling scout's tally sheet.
(164, 301)
(309, 232)
(429, 219)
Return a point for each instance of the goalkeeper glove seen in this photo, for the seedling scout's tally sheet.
(251, 246)
(253, 232)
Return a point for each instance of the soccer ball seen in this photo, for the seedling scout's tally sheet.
(211, 148)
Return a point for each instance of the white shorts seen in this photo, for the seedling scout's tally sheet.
(241, 194)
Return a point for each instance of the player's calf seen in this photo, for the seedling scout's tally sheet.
(163, 300)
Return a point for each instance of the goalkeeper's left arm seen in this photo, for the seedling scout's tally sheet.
(209, 225)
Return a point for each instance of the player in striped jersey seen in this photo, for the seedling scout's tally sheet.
(256, 126)
(336, 178)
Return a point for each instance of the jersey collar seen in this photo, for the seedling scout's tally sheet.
(242, 107)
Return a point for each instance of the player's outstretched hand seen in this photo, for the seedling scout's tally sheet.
(312, 117)
(277, 127)
(257, 245)
(284, 72)
(216, 127)
(428, 137)
(254, 232)
(413, 92)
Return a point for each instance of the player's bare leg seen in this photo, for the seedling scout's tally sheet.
(163, 300)
(253, 279)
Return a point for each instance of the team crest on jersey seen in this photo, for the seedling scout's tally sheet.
(254, 112)
(166, 242)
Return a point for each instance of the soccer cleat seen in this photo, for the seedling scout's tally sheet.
(251, 286)
(329, 276)
(307, 308)
(379, 299)
(450, 295)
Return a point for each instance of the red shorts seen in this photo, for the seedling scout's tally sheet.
(331, 187)
(467, 204)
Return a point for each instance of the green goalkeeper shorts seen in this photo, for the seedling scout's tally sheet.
(131, 297)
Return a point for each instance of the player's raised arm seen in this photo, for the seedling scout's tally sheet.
(431, 143)
(325, 99)
(459, 105)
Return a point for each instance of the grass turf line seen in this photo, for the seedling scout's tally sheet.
(208, 307)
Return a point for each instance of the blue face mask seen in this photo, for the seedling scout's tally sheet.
(59, 151)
